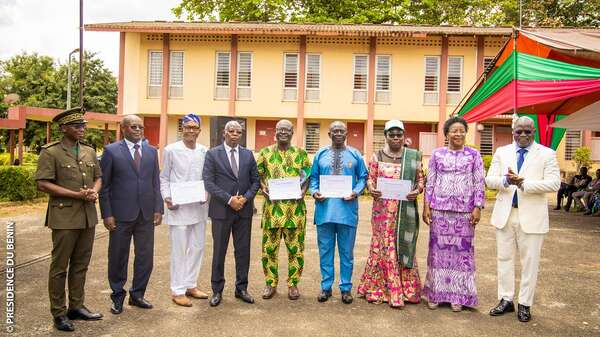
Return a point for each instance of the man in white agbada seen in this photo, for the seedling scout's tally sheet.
(183, 161)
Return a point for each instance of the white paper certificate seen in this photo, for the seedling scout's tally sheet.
(284, 188)
(188, 192)
(333, 186)
(394, 189)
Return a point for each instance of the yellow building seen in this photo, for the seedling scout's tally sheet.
(311, 74)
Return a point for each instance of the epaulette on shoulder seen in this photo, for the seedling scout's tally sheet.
(45, 146)
(85, 144)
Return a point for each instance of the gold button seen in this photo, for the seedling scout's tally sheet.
(61, 205)
(80, 162)
(68, 166)
(84, 186)
(83, 174)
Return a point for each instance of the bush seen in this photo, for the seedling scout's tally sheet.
(487, 161)
(17, 183)
(583, 157)
(28, 158)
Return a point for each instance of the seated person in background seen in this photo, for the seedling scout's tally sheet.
(578, 182)
(583, 197)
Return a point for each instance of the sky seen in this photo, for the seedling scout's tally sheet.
(51, 27)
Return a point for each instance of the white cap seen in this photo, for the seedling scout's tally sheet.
(394, 123)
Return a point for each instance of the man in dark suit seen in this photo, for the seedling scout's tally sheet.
(231, 178)
(131, 205)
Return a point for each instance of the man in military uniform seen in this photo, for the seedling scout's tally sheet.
(69, 172)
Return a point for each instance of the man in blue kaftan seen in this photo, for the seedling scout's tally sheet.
(336, 218)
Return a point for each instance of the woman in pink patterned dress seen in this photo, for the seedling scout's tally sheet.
(385, 278)
(453, 200)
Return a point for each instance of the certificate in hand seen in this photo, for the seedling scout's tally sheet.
(188, 192)
(285, 188)
(334, 186)
(394, 189)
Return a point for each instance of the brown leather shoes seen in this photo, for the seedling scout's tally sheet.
(182, 300)
(269, 292)
(293, 293)
(196, 293)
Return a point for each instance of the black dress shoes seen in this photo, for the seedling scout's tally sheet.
(84, 314)
(63, 323)
(324, 295)
(215, 299)
(140, 302)
(116, 307)
(347, 297)
(503, 307)
(244, 296)
(523, 313)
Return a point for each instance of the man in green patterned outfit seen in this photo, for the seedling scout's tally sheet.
(283, 218)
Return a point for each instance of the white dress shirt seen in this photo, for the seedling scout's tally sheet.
(131, 149)
(236, 154)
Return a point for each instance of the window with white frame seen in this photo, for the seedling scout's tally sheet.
(154, 73)
(313, 77)
(223, 66)
(361, 73)
(244, 75)
(311, 139)
(176, 74)
(573, 143)
(290, 76)
(455, 70)
(382, 78)
(432, 85)
(487, 62)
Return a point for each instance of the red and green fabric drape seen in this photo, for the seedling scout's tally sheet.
(543, 88)
(538, 80)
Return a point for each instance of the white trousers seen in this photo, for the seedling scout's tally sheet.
(187, 249)
(509, 239)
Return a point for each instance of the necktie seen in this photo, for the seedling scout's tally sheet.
(137, 157)
(234, 165)
(520, 161)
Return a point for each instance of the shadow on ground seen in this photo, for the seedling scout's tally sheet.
(567, 300)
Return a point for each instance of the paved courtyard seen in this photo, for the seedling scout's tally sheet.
(567, 299)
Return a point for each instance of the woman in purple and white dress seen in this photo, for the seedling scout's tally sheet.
(454, 197)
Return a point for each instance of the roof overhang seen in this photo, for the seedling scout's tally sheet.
(253, 28)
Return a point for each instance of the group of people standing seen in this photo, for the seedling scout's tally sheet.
(131, 189)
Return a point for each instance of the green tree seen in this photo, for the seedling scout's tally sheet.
(432, 12)
(41, 82)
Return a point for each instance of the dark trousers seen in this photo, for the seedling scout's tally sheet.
(565, 190)
(221, 230)
(71, 250)
(119, 243)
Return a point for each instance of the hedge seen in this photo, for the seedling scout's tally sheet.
(28, 158)
(17, 183)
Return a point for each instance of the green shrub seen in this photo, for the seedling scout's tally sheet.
(28, 158)
(487, 161)
(17, 183)
(582, 157)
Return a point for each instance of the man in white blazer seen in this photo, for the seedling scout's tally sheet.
(522, 172)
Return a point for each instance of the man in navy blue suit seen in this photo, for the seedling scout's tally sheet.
(231, 178)
(131, 205)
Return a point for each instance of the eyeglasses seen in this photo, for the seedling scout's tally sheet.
(136, 127)
(395, 135)
(521, 132)
(78, 126)
(191, 128)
